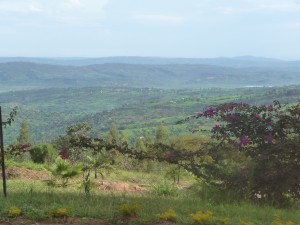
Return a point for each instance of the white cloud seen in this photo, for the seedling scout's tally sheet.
(162, 19)
(63, 10)
(281, 7)
(229, 7)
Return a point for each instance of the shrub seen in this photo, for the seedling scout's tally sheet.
(269, 136)
(130, 209)
(164, 189)
(169, 215)
(61, 212)
(63, 170)
(278, 221)
(202, 218)
(14, 212)
(38, 153)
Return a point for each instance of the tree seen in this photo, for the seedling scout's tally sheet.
(270, 137)
(140, 145)
(41, 153)
(24, 136)
(161, 134)
(146, 137)
(113, 135)
(78, 139)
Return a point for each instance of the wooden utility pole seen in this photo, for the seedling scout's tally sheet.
(2, 154)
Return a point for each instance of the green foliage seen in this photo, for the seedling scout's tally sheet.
(39, 203)
(63, 170)
(14, 212)
(77, 140)
(130, 209)
(190, 142)
(140, 145)
(169, 215)
(42, 153)
(11, 117)
(202, 218)
(278, 221)
(24, 136)
(162, 134)
(133, 109)
(269, 136)
(164, 189)
(113, 136)
(60, 212)
(19, 152)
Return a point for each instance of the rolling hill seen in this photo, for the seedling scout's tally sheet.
(24, 75)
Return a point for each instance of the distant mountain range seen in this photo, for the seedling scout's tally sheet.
(237, 62)
(29, 73)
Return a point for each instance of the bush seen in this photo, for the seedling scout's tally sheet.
(14, 212)
(169, 215)
(270, 137)
(202, 218)
(164, 189)
(130, 209)
(61, 212)
(41, 153)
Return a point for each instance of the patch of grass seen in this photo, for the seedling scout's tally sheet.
(37, 205)
(25, 164)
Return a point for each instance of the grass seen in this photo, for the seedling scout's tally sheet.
(25, 164)
(37, 201)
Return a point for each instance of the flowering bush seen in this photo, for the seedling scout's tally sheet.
(169, 215)
(61, 212)
(278, 221)
(270, 137)
(202, 218)
(14, 212)
(130, 209)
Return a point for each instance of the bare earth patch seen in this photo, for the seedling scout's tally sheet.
(121, 187)
(26, 174)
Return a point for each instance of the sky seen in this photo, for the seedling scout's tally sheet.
(163, 28)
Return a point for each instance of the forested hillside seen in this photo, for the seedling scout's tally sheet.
(50, 111)
(24, 75)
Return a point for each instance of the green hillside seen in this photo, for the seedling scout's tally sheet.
(24, 75)
(50, 111)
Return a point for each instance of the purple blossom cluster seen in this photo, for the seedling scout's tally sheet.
(208, 113)
(232, 118)
(244, 141)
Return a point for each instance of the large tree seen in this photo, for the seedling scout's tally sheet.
(24, 135)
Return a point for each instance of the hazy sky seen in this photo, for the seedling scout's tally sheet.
(167, 28)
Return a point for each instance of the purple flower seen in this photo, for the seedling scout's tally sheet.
(232, 118)
(245, 140)
(210, 112)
